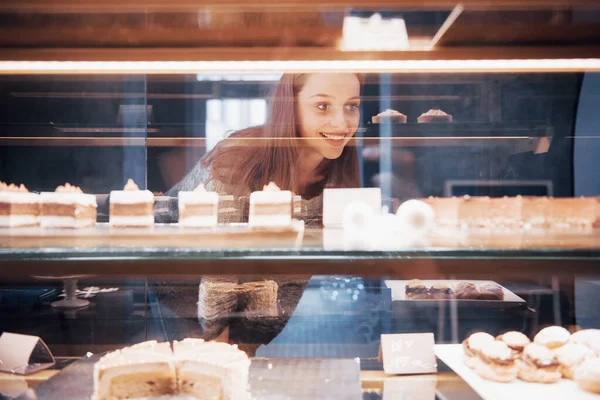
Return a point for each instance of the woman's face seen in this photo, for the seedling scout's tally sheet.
(328, 112)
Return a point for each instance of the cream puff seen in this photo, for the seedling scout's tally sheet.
(570, 356)
(552, 337)
(538, 364)
(587, 375)
(516, 341)
(589, 338)
(473, 345)
(496, 362)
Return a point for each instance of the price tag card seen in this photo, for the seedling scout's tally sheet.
(411, 353)
(23, 354)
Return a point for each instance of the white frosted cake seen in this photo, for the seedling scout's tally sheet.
(211, 370)
(67, 207)
(198, 208)
(270, 207)
(18, 207)
(131, 207)
(199, 369)
(135, 372)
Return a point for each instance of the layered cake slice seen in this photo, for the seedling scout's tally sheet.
(211, 370)
(490, 212)
(18, 207)
(67, 207)
(445, 210)
(198, 208)
(571, 212)
(270, 207)
(131, 207)
(135, 373)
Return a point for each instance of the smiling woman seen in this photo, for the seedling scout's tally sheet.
(302, 147)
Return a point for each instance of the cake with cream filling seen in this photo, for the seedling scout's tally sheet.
(131, 207)
(67, 207)
(568, 212)
(445, 210)
(198, 208)
(195, 368)
(389, 116)
(18, 207)
(145, 370)
(492, 212)
(270, 207)
(434, 115)
(211, 370)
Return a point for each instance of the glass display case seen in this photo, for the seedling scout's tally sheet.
(303, 181)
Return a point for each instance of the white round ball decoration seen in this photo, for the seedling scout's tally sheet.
(357, 215)
(416, 215)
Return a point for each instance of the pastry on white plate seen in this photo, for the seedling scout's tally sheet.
(552, 337)
(587, 375)
(538, 364)
(570, 356)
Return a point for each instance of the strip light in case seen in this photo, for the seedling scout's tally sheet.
(373, 66)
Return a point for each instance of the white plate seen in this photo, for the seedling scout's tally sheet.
(565, 389)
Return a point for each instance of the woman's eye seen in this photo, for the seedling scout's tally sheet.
(323, 106)
(351, 107)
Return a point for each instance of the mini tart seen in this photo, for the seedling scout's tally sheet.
(570, 356)
(515, 340)
(491, 291)
(434, 115)
(552, 337)
(415, 290)
(496, 363)
(538, 364)
(389, 116)
(466, 291)
(587, 375)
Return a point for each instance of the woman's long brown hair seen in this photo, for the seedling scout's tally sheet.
(253, 157)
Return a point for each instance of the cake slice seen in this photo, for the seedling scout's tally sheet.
(134, 373)
(445, 210)
(490, 212)
(198, 208)
(67, 207)
(211, 370)
(571, 212)
(18, 207)
(270, 207)
(131, 207)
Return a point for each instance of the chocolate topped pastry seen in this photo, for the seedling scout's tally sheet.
(538, 364)
(415, 290)
(466, 291)
(441, 291)
(491, 291)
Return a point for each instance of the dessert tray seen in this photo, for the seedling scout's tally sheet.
(276, 378)
(167, 235)
(399, 293)
(452, 355)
